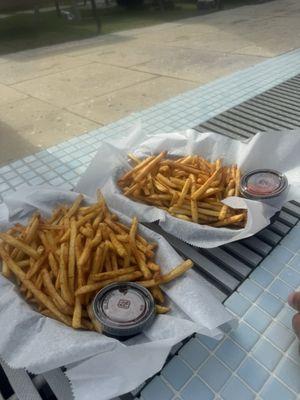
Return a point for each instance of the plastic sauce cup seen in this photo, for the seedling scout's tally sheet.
(124, 309)
(263, 184)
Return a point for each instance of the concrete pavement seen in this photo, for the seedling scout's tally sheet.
(51, 94)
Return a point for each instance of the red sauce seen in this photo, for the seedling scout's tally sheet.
(263, 183)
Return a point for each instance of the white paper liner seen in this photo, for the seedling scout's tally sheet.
(279, 151)
(109, 367)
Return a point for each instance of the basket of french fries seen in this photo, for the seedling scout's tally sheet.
(189, 188)
(61, 262)
(190, 183)
(58, 250)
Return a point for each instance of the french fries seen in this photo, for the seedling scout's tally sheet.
(190, 188)
(60, 263)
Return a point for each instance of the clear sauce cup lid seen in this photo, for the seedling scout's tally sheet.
(124, 309)
(263, 184)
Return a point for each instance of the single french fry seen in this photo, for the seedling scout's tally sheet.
(96, 223)
(5, 270)
(157, 294)
(59, 301)
(119, 248)
(223, 212)
(132, 189)
(165, 181)
(49, 247)
(107, 263)
(161, 309)
(175, 273)
(39, 281)
(153, 267)
(141, 263)
(78, 247)
(55, 215)
(97, 262)
(57, 281)
(24, 263)
(89, 233)
(36, 266)
(186, 168)
(76, 320)
(114, 261)
(64, 281)
(97, 238)
(181, 216)
(133, 276)
(53, 264)
(106, 247)
(72, 255)
(19, 244)
(85, 254)
(73, 209)
(49, 314)
(112, 274)
(230, 220)
(237, 182)
(184, 192)
(194, 205)
(134, 158)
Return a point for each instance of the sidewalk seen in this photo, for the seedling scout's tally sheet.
(51, 94)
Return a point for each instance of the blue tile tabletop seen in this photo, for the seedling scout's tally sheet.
(236, 389)
(274, 390)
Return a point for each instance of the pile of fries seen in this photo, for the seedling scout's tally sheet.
(190, 188)
(60, 263)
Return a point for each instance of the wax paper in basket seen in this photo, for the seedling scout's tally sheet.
(279, 151)
(109, 367)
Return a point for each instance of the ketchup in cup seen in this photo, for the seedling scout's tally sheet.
(263, 184)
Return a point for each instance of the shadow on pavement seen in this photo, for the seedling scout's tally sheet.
(13, 146)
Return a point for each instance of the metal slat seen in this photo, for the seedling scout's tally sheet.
(269, 236)
(229, 262)
(237, 127)
(221, 122)
(292, 209)
(5, 388)
(59, 384)
(287, 218)
(21, 383)
(280, 228)
(209, 268)
(212, 127)
(257, 245)
(248, 256)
